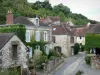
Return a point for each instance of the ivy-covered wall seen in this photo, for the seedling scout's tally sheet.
(92, 41)
(33, 41)
(19, 30)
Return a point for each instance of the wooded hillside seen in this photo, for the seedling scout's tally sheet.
(41, 9)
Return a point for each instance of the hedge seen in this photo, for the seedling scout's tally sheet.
(19, 30)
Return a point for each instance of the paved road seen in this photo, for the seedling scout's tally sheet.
(70, 65)
(75, 63)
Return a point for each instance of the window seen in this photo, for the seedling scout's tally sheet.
(14, 51)
(0, 61)
(37, 47)
(27, 36)
(72, 40)
(54, 39)
(45, 36)
(0, 53)
(80, 37)
(37, 36)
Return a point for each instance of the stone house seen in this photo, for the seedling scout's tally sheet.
(36, 30)
(63, 40)
(79, 33)
(12, 51)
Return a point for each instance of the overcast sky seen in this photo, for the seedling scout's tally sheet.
(89, 8)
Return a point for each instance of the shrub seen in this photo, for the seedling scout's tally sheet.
(53, 54)
(82, 48)
(79, 72)
(38, 61)
(76, 48)
(88, 60)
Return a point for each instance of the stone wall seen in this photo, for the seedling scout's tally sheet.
(7, 60)
(95, 62)
(53, 64)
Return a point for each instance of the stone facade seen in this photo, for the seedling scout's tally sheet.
(81, 40)
(63, 41)
(7, 60)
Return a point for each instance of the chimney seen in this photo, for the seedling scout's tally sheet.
(9, 17)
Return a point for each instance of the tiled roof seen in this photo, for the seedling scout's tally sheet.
(94, 28)
(79, 31)
(4, 38)
(26, 21)
(60, 30)
(54, 18)
(23, 20)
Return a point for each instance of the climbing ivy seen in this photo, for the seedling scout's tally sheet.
(34, 43)
(19, 30)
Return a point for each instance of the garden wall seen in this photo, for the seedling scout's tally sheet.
(53, 64)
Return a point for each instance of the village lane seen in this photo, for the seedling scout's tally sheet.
(70, 65)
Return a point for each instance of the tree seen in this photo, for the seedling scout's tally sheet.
(76, 48)
(38, 5)
(61, 8)
(62, 16)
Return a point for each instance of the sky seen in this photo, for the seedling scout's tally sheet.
(89, 8)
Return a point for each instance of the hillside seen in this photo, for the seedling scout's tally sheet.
(41, 9)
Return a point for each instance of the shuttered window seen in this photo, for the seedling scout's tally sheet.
(27, 35)
(45, 36)
(37, 36)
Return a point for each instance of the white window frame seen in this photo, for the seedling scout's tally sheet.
(36, 35)
(45, 36)
(28, 36)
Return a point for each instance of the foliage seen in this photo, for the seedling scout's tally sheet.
(53, 54)
(92, 41)
(76, 48)
(38, 5)
(88, 60)
(14, 71)
(42, 9)
(38, 62)
(79, 72)
(61, 8)
(82, 48)
(62, 16)
(10, 71)
(34, 43)
(19, 30)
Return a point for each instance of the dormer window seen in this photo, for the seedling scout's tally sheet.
(36, 21)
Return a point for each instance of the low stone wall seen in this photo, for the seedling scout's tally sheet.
(53, 64)
(95, 62)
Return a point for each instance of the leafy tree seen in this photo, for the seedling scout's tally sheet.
(38, 5)
(76, 48)
(93, 21)
(62, 16)
(61, 8)
(42, 9)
